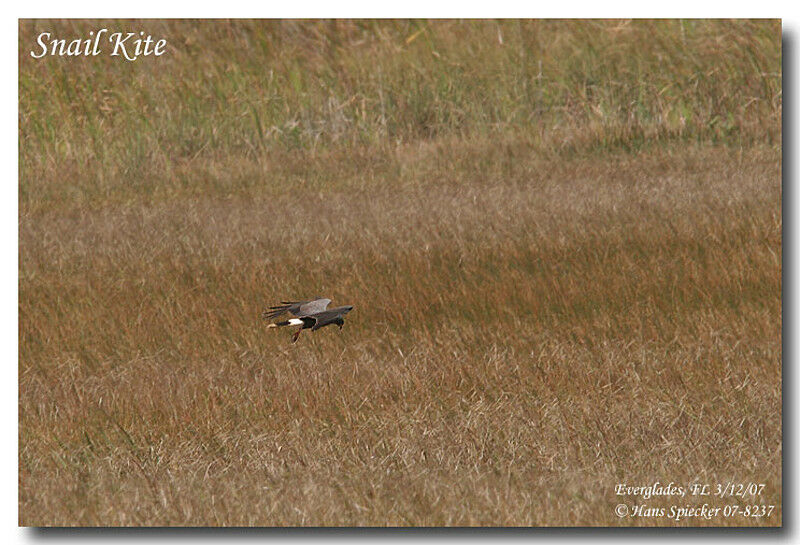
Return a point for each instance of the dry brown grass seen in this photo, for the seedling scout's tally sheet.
(531, 327)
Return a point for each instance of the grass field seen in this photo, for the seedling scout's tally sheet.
(562, 240)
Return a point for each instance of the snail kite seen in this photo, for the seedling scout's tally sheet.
(312, 314)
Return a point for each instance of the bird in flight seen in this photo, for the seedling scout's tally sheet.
(312, 314)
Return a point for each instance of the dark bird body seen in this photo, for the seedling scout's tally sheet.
(313, 315)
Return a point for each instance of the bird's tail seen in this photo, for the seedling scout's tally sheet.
(293, 321)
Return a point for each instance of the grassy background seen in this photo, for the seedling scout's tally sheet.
(562, 240)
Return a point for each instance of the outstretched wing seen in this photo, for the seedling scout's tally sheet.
(313, 307)
(325, 317)
(298, 308)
